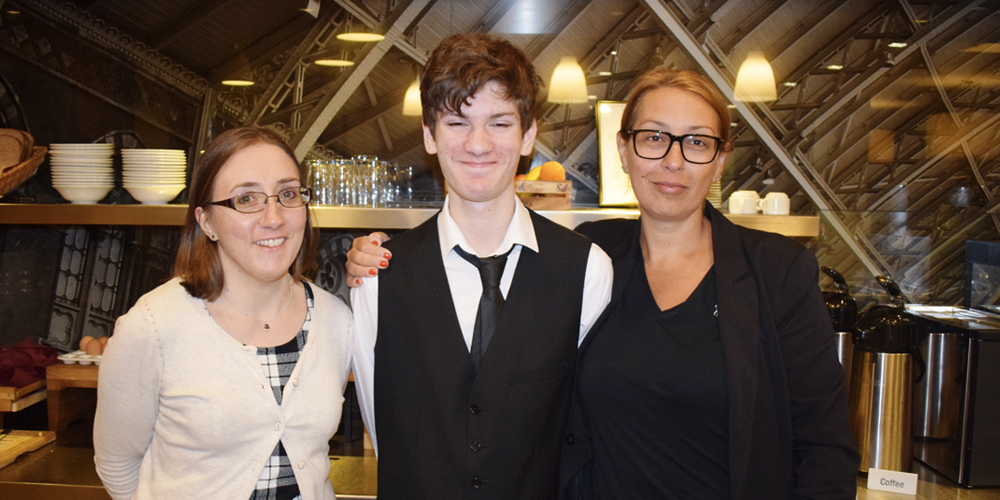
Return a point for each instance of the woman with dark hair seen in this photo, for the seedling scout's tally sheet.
(713, 373)
(227, 381)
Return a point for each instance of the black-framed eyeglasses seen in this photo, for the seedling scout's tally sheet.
(254, 201)
(655, 144)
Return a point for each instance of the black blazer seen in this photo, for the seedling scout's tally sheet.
(788, 427)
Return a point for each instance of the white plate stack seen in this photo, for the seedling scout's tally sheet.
(154, 176)
(82, 173)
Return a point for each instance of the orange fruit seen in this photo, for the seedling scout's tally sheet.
(552, 171)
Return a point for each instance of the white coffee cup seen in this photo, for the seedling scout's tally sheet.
(743, 202)
(775, 204)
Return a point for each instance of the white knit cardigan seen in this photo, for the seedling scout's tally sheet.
(185, 411)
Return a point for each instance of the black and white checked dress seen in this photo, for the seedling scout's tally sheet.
(277, 480)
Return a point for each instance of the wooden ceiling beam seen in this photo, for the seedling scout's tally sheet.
(262, 50)
(756, 18)
(178, 25)
(337, 92)
(952, 16)
(569, 13)
(395, 98)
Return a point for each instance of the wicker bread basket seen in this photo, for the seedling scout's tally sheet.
(11, 177)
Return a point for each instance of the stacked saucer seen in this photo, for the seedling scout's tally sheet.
(154, 176)
(82, 173)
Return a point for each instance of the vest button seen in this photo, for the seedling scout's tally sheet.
(474, 409)
(475, 446)
(476, 483)
(570, 438)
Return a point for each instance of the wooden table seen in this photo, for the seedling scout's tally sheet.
(69, 395)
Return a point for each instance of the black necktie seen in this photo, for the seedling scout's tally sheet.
(490, 303)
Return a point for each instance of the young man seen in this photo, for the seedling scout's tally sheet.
(465, 388)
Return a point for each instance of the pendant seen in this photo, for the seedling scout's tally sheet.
(267, 326)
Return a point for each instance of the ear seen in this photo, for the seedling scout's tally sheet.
(201, 217)
(720, 164)
(528, 141)
(622, 149)
(430, 145)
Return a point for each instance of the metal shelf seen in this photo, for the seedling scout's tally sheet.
(349, 217)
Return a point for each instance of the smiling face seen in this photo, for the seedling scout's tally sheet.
(671, 189)
(479, 150)
(262, 245)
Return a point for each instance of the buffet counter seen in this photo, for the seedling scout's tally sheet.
(64, 469)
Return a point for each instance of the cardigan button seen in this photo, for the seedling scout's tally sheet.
(570, 438)
(277, 426)
(475, 446)
(476, 483)
(474, 409)
(302, 464)
(295, 382)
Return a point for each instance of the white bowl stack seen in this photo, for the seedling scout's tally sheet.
(154, 176)
(82, 173)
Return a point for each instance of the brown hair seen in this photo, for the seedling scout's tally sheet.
(681, 80)
(197, 263)
(462, 64)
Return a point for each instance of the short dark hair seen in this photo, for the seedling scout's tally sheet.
(462, 64)
(197, 263)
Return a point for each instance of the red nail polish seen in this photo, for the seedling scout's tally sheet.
(373, 272)
(375, 242)
(387, 256)
(383, 264)
(357, 281)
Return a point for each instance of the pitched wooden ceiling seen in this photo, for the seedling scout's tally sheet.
(897, 149)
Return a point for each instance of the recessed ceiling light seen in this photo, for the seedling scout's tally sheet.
(790, 84)
(604, 73)
(333, 63)
(360, 37)
(238, 83)
(614, 52)
(897, 45)
(835, 67)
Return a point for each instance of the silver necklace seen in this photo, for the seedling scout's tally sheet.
(267, 325)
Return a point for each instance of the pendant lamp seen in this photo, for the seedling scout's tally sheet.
(568, 84)
(411, 102)
(755, 80)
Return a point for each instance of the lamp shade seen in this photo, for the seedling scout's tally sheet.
(333, 63)
(755, 80)
(360, 37)
(411, 102)
(568, 84)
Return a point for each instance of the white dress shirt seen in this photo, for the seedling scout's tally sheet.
(466, 289)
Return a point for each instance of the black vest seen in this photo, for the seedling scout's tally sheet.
(446, 431)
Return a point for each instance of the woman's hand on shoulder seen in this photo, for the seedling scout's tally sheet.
(366, 257)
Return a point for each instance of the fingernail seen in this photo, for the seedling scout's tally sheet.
(357, 281)
(375, 242)
(387, 256)
(373, 272)
(383, 264)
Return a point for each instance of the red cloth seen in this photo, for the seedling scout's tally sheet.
(25, 363)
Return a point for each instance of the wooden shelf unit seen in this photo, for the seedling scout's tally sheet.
(798, 226)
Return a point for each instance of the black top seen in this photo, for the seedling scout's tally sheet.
(452, 431)
(663, 372)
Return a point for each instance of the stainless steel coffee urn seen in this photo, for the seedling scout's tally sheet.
(882, 376)
(843, 313)
(937, 394)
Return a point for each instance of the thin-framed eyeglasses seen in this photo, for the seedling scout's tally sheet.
(254, 201)
(695, 148)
